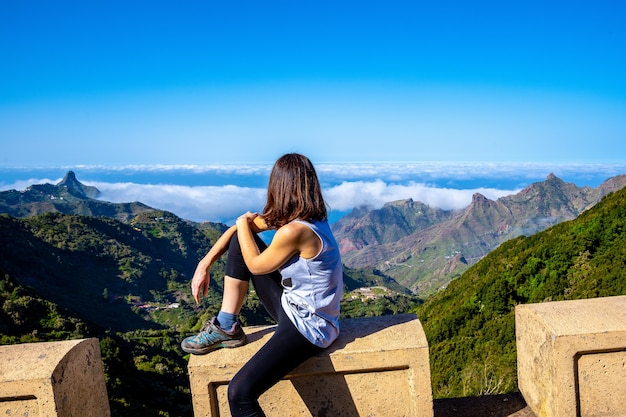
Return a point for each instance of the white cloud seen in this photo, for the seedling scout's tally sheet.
(24, 184)
(224, 204)
(199, 203)
(236, 169)
(459, 171)
(376, 193)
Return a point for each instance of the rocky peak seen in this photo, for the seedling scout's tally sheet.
(479, 200)
(76, 188)
(70, 178)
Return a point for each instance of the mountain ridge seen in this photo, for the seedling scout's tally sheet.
(426, 256)
(69, 196)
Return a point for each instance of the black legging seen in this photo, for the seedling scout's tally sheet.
(286, 349)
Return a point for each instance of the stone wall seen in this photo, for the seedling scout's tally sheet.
(571, 362)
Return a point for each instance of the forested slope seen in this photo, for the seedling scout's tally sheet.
(470, 325)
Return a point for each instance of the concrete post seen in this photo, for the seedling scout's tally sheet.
(53, 379)
(571, 357)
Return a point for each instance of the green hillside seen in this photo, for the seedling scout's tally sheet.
(470, 325)
(100, 268)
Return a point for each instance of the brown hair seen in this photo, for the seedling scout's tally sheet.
(293, 192)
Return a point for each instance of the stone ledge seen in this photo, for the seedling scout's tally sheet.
(571, 357)
(53, 379)
(379, 366)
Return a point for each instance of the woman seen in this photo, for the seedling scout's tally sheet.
(298, 278)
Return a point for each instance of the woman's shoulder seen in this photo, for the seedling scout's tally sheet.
(302, 235)
(292, 230)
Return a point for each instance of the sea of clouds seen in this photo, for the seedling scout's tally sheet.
(220, 193)
(225, 203)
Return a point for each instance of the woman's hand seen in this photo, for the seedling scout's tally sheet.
(201, 277)
(200, 282)
(246, 218)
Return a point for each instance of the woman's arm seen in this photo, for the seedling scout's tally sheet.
(289, 240)
(202, 276)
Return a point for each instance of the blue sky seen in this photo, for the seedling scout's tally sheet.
(117, 83)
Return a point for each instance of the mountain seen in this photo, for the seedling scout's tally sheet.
(395, 220)
(470, 325)
(424, 248)
(69, 196)
(76, 188)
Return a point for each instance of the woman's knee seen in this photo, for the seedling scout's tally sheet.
(238, 389)
(241, 401)
(233, 245)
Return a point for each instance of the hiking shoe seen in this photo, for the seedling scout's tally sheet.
(212, 337)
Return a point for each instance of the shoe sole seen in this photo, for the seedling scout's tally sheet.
(225, 344)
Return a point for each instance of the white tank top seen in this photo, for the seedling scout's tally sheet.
(313, 288)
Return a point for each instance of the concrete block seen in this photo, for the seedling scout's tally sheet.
(571, 357)
(53, 379)
(379, 366)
